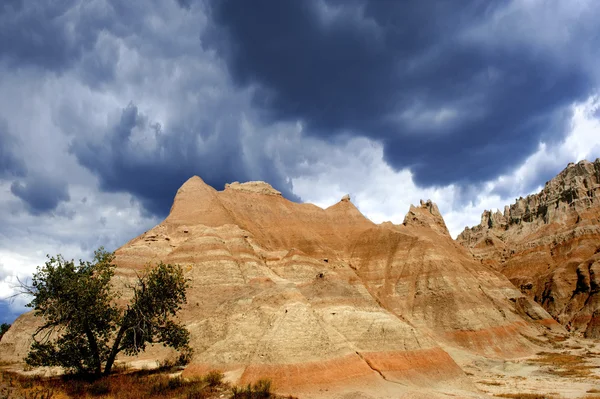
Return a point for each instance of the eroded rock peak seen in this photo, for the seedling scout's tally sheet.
(427, 214)
(258, 187)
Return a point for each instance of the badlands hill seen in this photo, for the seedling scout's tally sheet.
(548, 245)
(325, 302)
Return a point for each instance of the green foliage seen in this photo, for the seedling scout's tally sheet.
(85, 329)
(3, 329)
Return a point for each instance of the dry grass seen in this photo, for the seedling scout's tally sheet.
(565, 365)
(523, 396)
(132, 385)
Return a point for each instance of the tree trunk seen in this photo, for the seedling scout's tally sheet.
(95, 351)
(114, 351)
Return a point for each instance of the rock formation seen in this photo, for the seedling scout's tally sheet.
(323, 301)
(548, 245)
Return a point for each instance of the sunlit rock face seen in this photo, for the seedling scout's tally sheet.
(548, 245)
(323, 301)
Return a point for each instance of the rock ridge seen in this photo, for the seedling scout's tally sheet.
(545, 243)
(324, 302)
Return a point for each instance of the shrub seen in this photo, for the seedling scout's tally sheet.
(214, 378)
(262, 388)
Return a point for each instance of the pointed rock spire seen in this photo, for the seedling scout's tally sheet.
(426, 215)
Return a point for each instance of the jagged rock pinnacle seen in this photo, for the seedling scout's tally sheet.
(426, 215)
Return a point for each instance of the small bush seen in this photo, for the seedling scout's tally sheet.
(262, 388)
(236, 392)
(214, 378)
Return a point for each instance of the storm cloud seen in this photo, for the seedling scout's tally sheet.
(10, 164)
(108, 106)
(451, 105)
(137, 156)
(41, 194)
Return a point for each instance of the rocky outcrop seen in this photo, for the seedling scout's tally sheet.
(325, 302)
(259, 187)
(426, 215)
(547, 244)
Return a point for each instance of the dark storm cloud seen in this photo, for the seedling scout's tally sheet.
(88, 41)
(10, 163)
(138, 157)
(7, 314)
(405, 73)
(40, 194)
(47, 34)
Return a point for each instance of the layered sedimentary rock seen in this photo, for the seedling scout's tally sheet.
(548, 245)
(324, 300)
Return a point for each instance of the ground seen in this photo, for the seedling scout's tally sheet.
(567, 368)
(570, 369)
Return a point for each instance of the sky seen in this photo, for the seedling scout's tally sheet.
(108, 106)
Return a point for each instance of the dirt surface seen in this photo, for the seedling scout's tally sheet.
(568, 369)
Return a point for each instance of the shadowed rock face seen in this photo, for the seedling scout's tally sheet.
(548, 245)
(324, 299)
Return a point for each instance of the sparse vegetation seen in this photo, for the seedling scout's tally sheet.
(260, 389)
(133, 385)
(523, 396)
(214, 378)
(85, 330)
(565, 365)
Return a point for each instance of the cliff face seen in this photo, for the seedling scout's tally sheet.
(548, 245)
(324, 300)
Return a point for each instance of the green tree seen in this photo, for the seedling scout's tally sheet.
(84, 328)
(3, 329)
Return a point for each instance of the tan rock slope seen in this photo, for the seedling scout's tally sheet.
(548, 245)
(323, 301)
